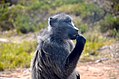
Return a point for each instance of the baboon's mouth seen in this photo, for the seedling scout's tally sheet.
(75, 35)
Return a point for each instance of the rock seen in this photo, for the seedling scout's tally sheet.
(3, 40)
(102, 59)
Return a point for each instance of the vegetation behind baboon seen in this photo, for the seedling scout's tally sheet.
(98, 20)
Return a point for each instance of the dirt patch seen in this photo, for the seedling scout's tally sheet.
(104, 70)
(16, 74)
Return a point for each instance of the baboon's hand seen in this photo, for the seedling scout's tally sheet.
(81, 39)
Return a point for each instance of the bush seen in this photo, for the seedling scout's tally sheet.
(18, 17)
(83, 28)
(72, 1)
(23, 24)
(29, 16)
(111, 25)
(5, 24)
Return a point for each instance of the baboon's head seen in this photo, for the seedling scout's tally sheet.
(62, 25)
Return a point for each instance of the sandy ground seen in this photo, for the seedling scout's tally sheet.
(103, 70)
(90, 70)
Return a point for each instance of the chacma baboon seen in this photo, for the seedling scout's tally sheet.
(56, 57)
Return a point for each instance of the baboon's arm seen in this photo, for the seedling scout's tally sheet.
(73, 57)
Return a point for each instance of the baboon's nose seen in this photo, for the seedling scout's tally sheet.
(77, 30)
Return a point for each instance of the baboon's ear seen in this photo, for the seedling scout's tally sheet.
(51, 21)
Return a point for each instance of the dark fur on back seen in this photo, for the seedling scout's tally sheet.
(56, 57)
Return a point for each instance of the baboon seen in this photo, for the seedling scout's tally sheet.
(56, 57)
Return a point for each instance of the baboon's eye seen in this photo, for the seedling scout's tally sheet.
(67, 21)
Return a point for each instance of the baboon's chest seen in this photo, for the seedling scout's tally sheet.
(57, 51)
(61, 54)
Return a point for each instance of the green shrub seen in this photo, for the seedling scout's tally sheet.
(69, 8)
(83, 28)
(16, 55)
(111, 25)
(39, 5)
(29, 16)
(23, 24)
(72, 1)
(5, 24)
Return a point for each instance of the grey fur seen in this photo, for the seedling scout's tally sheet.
(56, 57)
